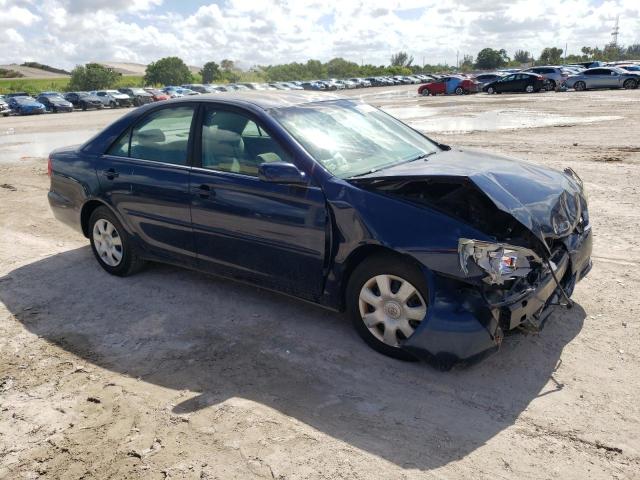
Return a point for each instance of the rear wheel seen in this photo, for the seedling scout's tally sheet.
(387, 301)
(491, 90)
(425, 92)
(529, 89)
(580, 86)
(113, 104)
(551, 85)
(111, 244)
(459, 91)
(630, 84)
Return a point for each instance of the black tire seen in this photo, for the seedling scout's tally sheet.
(425, 92)
(84, 107)
(131, 262)
(459, 91)
(491, 90)
(630, 84)
(552, 85)
(387, 264)
(113, 104)
(580, 86)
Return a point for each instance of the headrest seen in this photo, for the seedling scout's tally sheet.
(154, 135)
(222, 142)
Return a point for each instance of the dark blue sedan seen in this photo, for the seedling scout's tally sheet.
(26, 105)
(434, 252)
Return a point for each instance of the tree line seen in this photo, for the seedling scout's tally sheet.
(174, 71)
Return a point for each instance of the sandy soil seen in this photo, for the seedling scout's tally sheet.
(173, 374)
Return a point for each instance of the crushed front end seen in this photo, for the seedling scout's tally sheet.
(533, 245)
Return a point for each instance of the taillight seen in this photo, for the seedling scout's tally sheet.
(49, 167)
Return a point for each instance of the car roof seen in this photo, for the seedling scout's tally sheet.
(266, 99)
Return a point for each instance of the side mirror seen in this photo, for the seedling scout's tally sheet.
(281, 172)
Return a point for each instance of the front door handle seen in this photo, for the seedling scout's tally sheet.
(205, 191)
(110, 173)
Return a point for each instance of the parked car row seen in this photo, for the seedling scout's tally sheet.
(589, 75)
(536, 79)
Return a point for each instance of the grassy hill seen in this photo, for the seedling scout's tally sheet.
(36, 85)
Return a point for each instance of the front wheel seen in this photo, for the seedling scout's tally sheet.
(630, 84)
(459, 91)
(491, 90)
(425, 92)
(111, 244)
(387, 301)
(529, 89)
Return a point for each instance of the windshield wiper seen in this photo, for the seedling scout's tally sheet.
(422, 156)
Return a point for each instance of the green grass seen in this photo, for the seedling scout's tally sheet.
(34, 86)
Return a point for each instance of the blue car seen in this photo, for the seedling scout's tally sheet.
(26, 106)
(434, 252)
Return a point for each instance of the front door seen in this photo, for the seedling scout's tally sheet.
(145, 177)
(271, 234)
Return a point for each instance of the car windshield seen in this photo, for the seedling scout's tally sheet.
(351, 139)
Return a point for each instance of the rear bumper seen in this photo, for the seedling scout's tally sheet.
(462, 326)
(64, 210)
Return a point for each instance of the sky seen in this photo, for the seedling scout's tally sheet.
(65, 33)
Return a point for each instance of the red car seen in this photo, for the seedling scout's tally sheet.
(157, 94)
(449, 85)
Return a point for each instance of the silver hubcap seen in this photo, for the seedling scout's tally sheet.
(529, 89)
(107, 242)
(391, 308)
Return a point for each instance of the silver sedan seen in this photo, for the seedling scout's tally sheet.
(603, 77)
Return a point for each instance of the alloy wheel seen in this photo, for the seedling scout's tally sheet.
(107, 242)
(529, 89)
(391, 308)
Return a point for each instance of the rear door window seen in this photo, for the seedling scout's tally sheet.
(163, 136)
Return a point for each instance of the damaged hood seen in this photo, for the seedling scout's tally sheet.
(547, 202)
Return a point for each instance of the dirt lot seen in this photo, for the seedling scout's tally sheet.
(173, 374)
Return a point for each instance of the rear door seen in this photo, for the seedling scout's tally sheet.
(438, 86)
(271, 234)
(613, 80)
(145, 177)
(597, 78)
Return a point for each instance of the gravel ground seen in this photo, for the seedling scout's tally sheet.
(174, 374)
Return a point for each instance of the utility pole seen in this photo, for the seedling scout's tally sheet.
(566, 45)
(457, 59)
(615, 32)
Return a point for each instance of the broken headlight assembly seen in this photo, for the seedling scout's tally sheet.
(500, 261)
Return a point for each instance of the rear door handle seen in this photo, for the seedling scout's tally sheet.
(111, 173)
(205, 191)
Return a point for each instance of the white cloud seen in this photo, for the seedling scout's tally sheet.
(276, 31)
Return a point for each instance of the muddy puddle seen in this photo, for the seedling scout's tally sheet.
(15, 146)
(439, 121)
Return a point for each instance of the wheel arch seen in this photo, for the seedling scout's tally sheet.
(87, 209)
(362, 253)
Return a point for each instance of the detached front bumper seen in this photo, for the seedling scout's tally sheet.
(462, 325)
